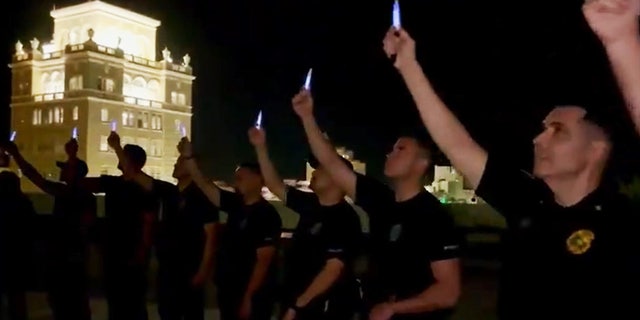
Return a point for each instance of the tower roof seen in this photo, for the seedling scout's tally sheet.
(99, 6)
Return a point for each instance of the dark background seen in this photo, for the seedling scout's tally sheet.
(499, 65)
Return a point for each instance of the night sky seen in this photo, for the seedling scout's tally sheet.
(499, 65)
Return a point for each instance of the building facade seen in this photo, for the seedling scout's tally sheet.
(99, 67)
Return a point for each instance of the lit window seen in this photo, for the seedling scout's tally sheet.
(104, 115)
(182, 99)
(49, 118)
(108, 85)
(58, 115)
(75, 83)
(127, 118)
(37, 117)
(75, 113)
(104, 144)
(174, 97)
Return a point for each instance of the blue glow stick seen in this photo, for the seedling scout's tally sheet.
(13, 136)
(396, 15)
(74, 133)
(307, 81)
(114, 126)
(183, 130)
(259, 120)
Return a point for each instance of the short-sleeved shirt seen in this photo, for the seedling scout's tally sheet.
(322, 233)
(578, 262)
(407, 237)
(126, 205)
(184, 214)
(248, 228)
(71, 209)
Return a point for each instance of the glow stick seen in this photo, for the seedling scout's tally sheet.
(396, 15)
(114, 125)
(74, 133)
(183, 130)
(259, 120)
(307, 81)
(13, 136)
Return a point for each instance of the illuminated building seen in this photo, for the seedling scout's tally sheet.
(448, 186)
(100, 66)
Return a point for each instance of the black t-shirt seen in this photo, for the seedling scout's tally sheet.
(323, 233)
(72, 208)
(578, 262)
(184, 214)
(126, 205)
(408, 236)
(248, 228)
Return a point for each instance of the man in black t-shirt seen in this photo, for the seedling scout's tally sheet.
(570, 248)
(245, 275)
(319, 279)
(415, 268)
(74, 210)
(185, 246)
(130, 215)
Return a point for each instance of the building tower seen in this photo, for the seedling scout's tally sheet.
(99, 67)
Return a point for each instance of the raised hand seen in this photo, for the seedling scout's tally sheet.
(613, 20)
(185, 148)
(303, 104)
(257, 137)
(9, 147)
(399, 43)
(114, 140)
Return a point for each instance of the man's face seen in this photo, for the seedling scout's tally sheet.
(179, 169)
(320, 180)
(566, 146)
(405, 159)
(247, 181)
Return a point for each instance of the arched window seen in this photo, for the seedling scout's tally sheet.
(58, 115)
(44, 82)
(75, 113)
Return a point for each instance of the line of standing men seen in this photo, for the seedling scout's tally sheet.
(570, 249)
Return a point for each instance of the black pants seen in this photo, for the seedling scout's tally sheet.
(67, 282)
(230, 301)
(126, 289)
(177, 298)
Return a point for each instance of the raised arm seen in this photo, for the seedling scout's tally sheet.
(321, 147)
(209, 189)
(443, 126)
(30, 171)
(272, 179)
(145, 181)
(615, 22)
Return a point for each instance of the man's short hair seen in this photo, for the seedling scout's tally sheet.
(81, 167)
(136, 155)
(251, 166)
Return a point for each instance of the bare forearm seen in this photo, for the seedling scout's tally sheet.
(210, 190)
(320, 146)
(271, 177)
(320, 284)
(207, 254)
(258, 276)
(443, 126)
(438, 296)
(30, 171)
(625, 61)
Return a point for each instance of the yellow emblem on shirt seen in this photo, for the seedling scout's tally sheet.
(579, 242)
